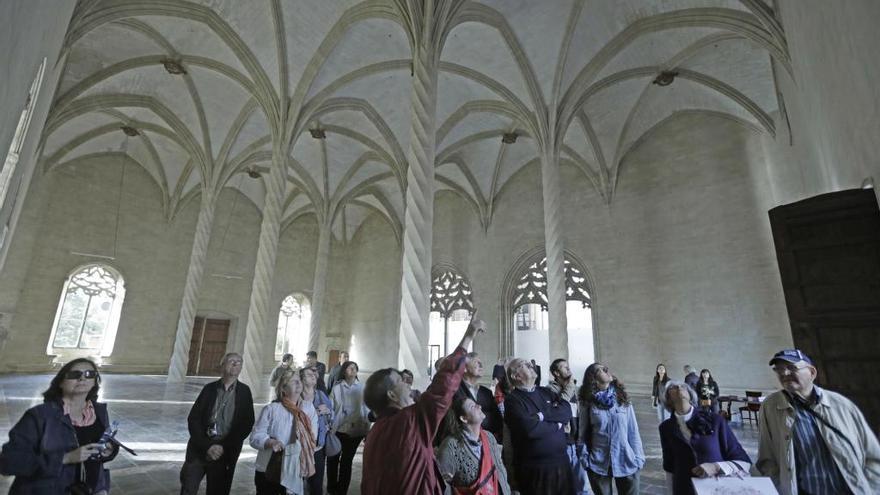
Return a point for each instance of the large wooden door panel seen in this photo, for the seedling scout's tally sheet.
(207, 347)
(828, 249)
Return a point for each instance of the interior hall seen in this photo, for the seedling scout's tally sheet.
(628, 182)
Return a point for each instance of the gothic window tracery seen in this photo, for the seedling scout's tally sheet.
(532, 287)
(89, 308)
(294, 319)
(450, 292)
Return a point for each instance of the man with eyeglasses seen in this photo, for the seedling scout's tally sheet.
(814, 441)
(219, 421)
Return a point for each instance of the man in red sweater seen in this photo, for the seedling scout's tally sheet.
(398, 453)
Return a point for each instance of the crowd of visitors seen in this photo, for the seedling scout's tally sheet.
(559, 439)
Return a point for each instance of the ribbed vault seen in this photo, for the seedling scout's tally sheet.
(197, 92)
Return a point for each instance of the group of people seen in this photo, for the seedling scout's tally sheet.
(458, 436)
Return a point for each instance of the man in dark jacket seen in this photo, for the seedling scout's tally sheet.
(219, 421)
(321, 368)
(473, 371)
(538, 422)
(690, 376)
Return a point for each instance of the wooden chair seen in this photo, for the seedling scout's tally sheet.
(752, 407)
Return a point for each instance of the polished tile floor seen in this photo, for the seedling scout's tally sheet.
(152, 420)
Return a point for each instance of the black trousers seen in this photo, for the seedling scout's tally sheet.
(219, 474)
(339, 467)
(266, 487)
(542, 480)
(315, 482)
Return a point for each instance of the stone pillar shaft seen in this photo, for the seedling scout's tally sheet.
(319, 288)
(257, 331)
(419, 215)
(180, 355)
(555, 252)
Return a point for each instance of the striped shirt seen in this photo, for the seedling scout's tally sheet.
(817, 473)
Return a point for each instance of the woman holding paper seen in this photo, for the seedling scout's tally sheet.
(696, 442)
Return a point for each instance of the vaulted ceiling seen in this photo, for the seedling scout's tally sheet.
(344, 67)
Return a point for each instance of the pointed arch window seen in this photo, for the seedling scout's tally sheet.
(452, 304)
(294, 319)
(532, 285)
(88, 313)
(530, 295)
(530, 317)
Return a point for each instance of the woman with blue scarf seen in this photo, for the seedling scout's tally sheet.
(608, 429)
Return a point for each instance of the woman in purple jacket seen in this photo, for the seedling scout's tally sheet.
(696, 442)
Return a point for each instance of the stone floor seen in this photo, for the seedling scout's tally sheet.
(152, 420)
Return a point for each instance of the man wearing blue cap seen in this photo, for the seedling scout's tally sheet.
(814, 441)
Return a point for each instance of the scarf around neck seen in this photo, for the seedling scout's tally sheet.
(304, 433)
(88, 414)
(606, 398)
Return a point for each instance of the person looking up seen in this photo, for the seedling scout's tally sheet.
(399, 453)
(813, 440)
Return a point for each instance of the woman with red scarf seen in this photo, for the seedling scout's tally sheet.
(469, 458)
(288, 426)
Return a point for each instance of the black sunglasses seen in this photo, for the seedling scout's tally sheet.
(77, 374)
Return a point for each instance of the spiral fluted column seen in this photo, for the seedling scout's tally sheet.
(322, 257)
(180, 355)
(555, 251)
(257, 330)
(419, 216)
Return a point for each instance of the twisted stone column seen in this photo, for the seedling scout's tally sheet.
(419, 215)
(322, 257)
(257, 330)
(555, 251)
(180, 355)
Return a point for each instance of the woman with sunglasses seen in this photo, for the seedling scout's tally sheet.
(54, 446)
(612, 446)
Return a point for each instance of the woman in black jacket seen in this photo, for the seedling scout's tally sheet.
(55, 444)
(707, 390)
(660, 379)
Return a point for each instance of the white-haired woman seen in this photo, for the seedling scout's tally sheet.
(288, 426)
(696, 442)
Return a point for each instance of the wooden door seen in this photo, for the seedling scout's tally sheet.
(332, 358)
(828, 249)
(207, 347)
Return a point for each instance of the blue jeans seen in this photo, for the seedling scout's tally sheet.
(581, 482)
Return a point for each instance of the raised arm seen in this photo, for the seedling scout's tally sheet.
(436, 399)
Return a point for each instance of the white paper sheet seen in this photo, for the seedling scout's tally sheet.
(734, 486)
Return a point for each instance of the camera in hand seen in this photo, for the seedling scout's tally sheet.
(213, 432)
(106, 439)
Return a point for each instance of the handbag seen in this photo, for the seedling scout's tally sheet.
(274, 466)
(80, 487)
(332, 444)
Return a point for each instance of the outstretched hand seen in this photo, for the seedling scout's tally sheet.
(476, 326)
